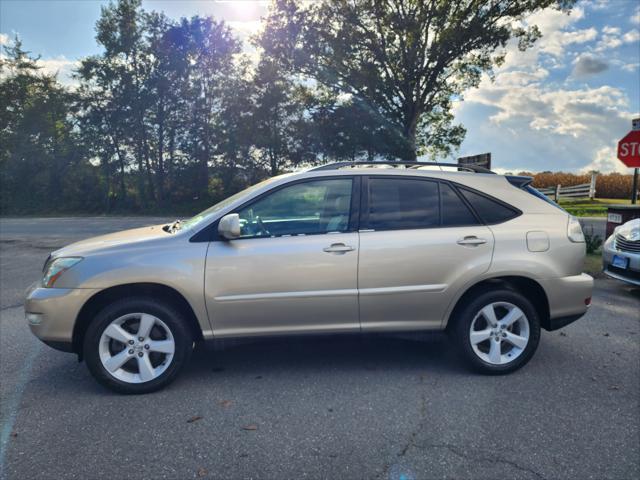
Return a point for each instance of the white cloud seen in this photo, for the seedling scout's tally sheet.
(635, 18)
(612, 38)
(606, 160)
(611, 30)
(530, 121)
(631, 36)
(4, 39)
(556, 35)
(60, 66)
(630, 67)
(598, 4)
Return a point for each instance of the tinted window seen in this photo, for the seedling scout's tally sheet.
(402, 204)
(489, 210)
(542, 196)
(304, 208)
(454, 210)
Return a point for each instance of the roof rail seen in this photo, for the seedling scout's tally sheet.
(408, 164)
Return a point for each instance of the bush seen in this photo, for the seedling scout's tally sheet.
(593, 242)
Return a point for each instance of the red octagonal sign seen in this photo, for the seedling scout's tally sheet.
(629, 149)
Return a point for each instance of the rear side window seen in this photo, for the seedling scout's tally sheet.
(454, 210)
(397, 203)
(490, 211)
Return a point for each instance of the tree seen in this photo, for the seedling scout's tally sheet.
(279, 118)
(40, 152)
(405, 59)
(210, 50)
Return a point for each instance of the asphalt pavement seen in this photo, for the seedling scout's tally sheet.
(398, 407)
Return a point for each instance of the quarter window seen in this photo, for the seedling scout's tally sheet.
(314, 207)
(454, 210)
(490, 211)
(398, 203)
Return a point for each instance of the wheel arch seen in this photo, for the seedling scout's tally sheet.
(153, 290)
(526, 286)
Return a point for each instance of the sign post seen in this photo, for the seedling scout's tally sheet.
(629, 154)
(482, 160)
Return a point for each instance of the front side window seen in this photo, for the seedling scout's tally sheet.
(402, 203)
(308, 208)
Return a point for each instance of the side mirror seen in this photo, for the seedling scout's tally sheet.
(229, 226)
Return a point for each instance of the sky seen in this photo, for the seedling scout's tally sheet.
(561, 105)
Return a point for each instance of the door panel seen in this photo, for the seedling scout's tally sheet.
(283, 284)
(407, 278)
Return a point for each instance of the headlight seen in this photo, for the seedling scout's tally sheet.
(56, 268)
(574, 230)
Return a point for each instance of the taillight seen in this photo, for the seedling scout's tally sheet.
(574, 230)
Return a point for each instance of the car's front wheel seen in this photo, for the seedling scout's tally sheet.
(137, 345)
(498, 331)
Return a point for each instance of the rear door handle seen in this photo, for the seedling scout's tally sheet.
(338, 248)
(471, 241)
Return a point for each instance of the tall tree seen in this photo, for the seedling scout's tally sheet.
(41, 157)
(405, 59)
(279, 118)
(211, 50)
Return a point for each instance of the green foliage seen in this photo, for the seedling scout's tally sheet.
(593, 242)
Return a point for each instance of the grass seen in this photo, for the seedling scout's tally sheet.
(593, 264)
(591, 208)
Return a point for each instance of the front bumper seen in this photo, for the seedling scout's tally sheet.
(631, 274)
(51, 313)
(569, 299)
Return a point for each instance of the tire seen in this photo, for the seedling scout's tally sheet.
(136, 366)
(503, 350)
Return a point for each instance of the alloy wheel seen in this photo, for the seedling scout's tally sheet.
(499, 333)
(136, 348)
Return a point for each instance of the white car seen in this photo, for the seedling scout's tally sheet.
(621, 253)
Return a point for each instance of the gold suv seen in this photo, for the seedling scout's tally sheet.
(347, 247)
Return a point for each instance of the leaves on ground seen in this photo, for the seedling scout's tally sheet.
(194, 419)
(250, 427)
(225, 403)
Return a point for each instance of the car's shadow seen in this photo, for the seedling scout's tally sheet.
(403, 354)
(312, 354)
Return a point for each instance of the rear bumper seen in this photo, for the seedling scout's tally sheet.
(51, 313)
(569, 299)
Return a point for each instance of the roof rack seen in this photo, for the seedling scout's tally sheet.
(408, 164)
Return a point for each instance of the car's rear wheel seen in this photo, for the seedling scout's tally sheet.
(498, 331)
(137, 345)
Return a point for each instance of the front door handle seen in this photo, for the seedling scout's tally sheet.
(338, 248)
(471, 241)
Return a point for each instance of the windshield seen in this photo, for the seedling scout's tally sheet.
(196, 219)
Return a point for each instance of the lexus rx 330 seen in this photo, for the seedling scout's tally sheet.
(338, 249)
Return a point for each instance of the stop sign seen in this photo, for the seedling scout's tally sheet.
(629, 149)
